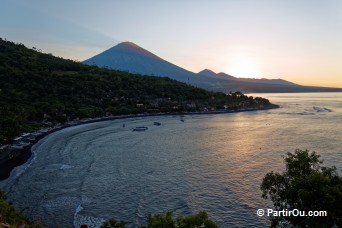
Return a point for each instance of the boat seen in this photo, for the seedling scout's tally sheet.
(143, 128)
(156, 123)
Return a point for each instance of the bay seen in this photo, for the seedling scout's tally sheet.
(92, 172)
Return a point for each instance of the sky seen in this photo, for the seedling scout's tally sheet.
(299, 41)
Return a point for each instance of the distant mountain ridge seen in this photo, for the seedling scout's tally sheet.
(225, 76)
(130, 57)
(212, 74)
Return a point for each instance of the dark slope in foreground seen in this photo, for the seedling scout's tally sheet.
(38, 89)
(130, 57)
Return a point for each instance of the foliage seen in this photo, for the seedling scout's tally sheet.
(112, 223)
(196, 220)
(160, 220)
(8, 212)
(166, 220)
(305, 185)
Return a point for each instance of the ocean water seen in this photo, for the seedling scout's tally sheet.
(93, 172)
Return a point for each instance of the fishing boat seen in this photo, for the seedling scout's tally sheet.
(156, 123)
(143, 128)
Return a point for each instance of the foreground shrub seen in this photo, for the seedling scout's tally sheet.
(7, 211)
(112, 223)
(167, 220)
(305, 185)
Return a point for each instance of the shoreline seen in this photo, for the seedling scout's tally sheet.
(7, 165)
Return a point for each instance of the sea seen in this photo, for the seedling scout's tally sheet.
(89, 173)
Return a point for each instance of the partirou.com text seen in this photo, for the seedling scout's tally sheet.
(286, 213)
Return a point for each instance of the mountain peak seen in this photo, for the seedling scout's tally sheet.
(128, 43)
(128, 56)
(206, 71)
(130, 47)
(210, 73)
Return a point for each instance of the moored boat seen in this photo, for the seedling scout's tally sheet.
(143, 128)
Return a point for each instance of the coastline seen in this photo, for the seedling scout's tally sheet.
(7, 165)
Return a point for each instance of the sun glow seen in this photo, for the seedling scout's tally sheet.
(244, 70)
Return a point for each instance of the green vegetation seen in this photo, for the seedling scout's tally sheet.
(306, 185)
(112, 223)
(8, 213)
(167, 220)
(37, 88)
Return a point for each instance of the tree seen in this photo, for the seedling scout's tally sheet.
(160, 221)
(305, 185)
(8, 213)
(112, 223)
(167, 220)
(196, 220)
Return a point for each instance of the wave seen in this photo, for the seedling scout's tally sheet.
(297, 113)
(63, 167)
(92, 222)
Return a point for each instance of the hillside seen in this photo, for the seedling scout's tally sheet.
(39, 89)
